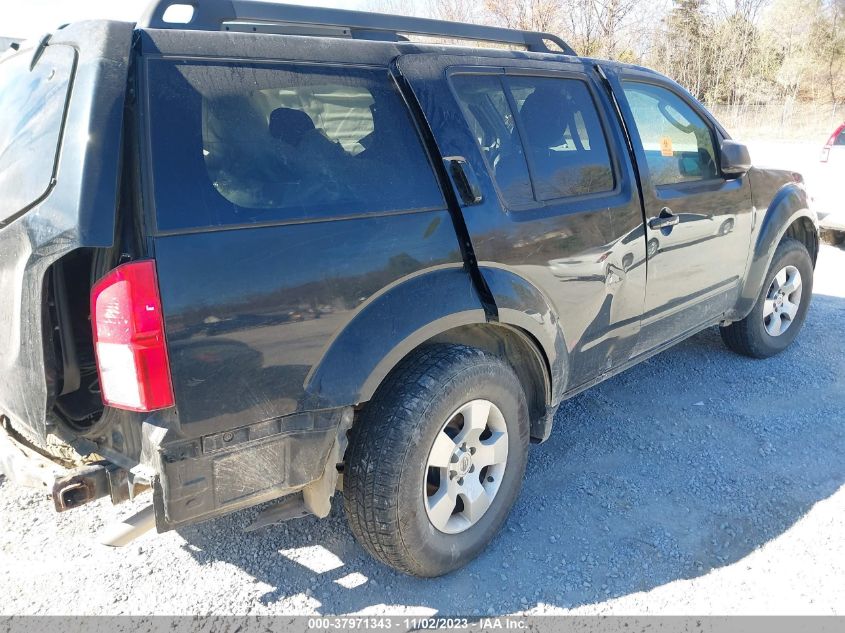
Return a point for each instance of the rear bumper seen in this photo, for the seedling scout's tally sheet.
(207, 477)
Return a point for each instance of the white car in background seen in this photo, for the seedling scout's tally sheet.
(831, 197)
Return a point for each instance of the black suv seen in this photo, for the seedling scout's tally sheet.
(270, 251)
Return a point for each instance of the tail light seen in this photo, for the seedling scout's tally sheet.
(129, 339)
(831, 142)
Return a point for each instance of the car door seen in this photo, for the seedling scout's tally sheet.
(558, 204)
(698, 222)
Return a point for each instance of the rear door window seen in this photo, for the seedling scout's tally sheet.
(541, 136)
(491, 120)
(235, 143)
(563, 136)
(32, 110)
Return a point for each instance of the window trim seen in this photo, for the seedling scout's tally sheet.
(150, 211)
(507, 72)
(697, 108)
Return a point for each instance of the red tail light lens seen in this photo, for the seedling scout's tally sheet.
(833, 137)
(831, 142)
(129, 339)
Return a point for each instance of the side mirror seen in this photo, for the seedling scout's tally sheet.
(736, 161)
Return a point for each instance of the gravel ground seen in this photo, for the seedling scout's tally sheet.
(699, 482)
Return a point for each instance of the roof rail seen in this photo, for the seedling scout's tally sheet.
(273, 17)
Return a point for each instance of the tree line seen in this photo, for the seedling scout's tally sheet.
(751, 52)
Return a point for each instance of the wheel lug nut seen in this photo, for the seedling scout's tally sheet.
(490, 479)
(461, 481)
(472, 450)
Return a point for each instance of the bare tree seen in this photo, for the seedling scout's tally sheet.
(529, 15)
(611, 16)
(456, 10)
(724, 51)
(396, 7)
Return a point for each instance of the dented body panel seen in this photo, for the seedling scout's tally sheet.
(78, 210)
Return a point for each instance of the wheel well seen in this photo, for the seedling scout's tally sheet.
(804, 231)
(522, 353)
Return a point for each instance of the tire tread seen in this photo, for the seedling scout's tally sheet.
(745, 337)
(378, 444)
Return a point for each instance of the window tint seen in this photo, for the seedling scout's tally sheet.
(677, 142)
(559, 139)
(491, 120)
(840, 140)
(235, 143)
(564, 140)
(32, 107)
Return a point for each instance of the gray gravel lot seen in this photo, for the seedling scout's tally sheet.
(697, 482)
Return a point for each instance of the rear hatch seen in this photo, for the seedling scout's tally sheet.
(61, 118)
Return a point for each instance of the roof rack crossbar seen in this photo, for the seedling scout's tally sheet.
(217, 15)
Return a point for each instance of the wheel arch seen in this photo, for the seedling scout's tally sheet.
(393, 326)
(788, 215)
(521, 351)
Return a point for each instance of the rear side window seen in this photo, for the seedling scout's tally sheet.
(32, 110)
(541, 136)
(240, 144)
(840, 140)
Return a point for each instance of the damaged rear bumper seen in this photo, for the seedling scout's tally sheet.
(198, 479)
(207, 477)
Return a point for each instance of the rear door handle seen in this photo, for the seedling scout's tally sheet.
(464, 178)
(665, 220)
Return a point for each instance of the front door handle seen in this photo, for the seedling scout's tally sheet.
(665, 220)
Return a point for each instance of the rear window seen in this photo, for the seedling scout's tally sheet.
(241, 144)
(32, 109)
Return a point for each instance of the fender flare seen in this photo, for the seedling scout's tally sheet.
(386, 328)
(789, 205)
(392, 324)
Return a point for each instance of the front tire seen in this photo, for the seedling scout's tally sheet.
(437, 459)
(781, 308)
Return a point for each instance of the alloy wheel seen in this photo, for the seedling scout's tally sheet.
(782, 301)
(465, 466)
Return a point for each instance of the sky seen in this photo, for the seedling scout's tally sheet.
(30, 18)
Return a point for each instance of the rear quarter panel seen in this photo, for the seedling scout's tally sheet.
(249, 313)
(78, 211)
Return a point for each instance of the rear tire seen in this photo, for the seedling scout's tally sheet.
(781, 308)
(427, 427)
